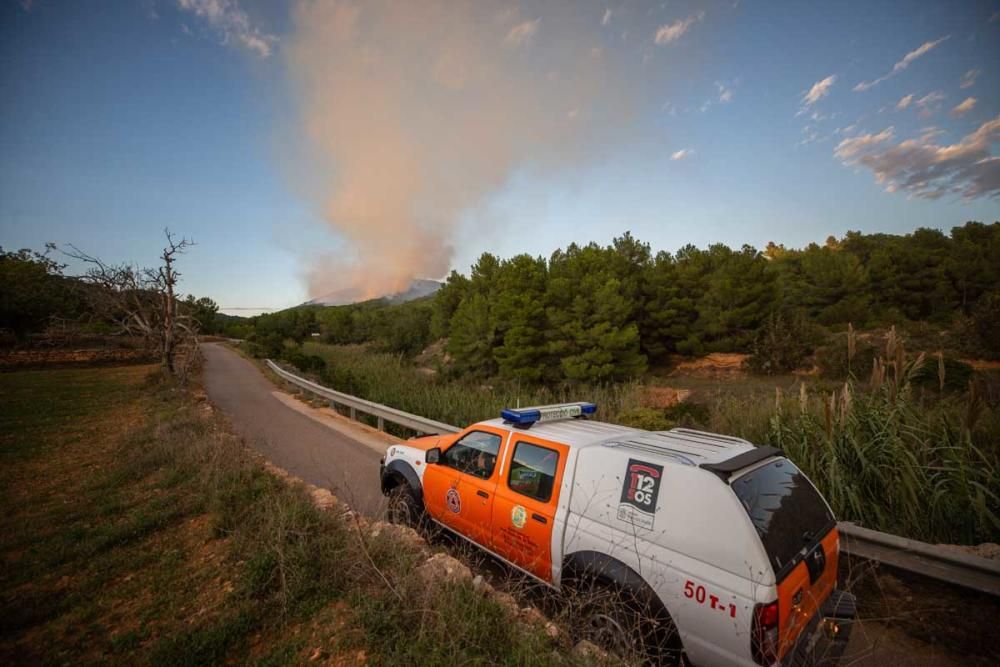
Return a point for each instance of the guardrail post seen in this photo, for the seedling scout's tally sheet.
(354, 413)
(381, 424)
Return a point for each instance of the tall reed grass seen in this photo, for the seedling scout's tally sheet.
(394, 381)
(880, 450)
(884, 453)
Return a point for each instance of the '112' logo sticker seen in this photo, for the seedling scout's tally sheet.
(640, 490)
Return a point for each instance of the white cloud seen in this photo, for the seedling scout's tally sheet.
(848, 149)
(926, 169)
(904, 102)
(608, 14)
(231, 23)
(670, 32)
(725, 92)
(819, 90)
(902, 64)
(969, 79)
(930, 98)
(523, 32)
(681, 154)
(965, 107)
(810, 135)
(929, 132)
(930, 103)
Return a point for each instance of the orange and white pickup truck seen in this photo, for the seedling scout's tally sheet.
(723, 553)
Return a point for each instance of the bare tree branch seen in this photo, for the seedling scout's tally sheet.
(142, 301)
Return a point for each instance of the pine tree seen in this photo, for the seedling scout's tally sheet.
(473, 336)
(592, 331)
(519, 311)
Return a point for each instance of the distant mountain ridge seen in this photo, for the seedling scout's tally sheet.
(419, 288)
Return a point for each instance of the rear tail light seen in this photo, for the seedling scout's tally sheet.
(764, 634)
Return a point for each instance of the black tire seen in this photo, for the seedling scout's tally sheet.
(404, 507)
(626, 625)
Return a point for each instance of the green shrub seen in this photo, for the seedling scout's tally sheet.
(935, 371)
(650, 419)
(835, 362)
(984, 327)
(688, 414)
(782, 344)
(307, 363)
(266, 345)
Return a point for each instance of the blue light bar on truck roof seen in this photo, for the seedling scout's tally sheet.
(545, 413)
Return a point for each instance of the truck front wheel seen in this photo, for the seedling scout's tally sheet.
(404, 506)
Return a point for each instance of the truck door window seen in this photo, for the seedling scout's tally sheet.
(533, 471)
(475, 454)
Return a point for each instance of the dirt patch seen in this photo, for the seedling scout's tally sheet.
(715, 365)
(908, 619)
(988, 550)
(982, 364)
(60, 357)
(433, 355)
(664, 397)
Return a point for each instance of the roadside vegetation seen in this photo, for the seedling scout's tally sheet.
(855, 357)
(887, 451)
(137, 530)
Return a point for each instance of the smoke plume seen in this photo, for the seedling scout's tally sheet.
(414, 112)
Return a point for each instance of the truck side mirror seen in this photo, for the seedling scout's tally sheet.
(433, 455)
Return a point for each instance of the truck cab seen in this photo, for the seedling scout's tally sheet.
(730, 545)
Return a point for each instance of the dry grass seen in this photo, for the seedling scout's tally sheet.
(149, 534)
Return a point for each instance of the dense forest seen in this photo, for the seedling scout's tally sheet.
(599, 313)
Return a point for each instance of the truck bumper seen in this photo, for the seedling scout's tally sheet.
(823, 643)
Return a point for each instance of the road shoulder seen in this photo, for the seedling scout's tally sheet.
(372, 438)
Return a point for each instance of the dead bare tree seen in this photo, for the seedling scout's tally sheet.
(142, 301)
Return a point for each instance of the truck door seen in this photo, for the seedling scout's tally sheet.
(458, 490)
(524, 509)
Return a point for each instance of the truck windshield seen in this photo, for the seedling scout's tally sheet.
(787, 511)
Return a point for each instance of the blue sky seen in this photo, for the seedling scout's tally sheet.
(742, 122)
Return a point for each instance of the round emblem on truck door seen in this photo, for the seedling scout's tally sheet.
(518, 516)
(453, 501)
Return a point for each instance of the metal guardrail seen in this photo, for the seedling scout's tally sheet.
(383, 413)
(959, 569)
(929, 560)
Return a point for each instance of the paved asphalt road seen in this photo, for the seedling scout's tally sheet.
(289, 439)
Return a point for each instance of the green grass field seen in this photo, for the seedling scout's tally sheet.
(137, 530)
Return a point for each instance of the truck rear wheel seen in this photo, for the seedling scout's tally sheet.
(620, 622)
